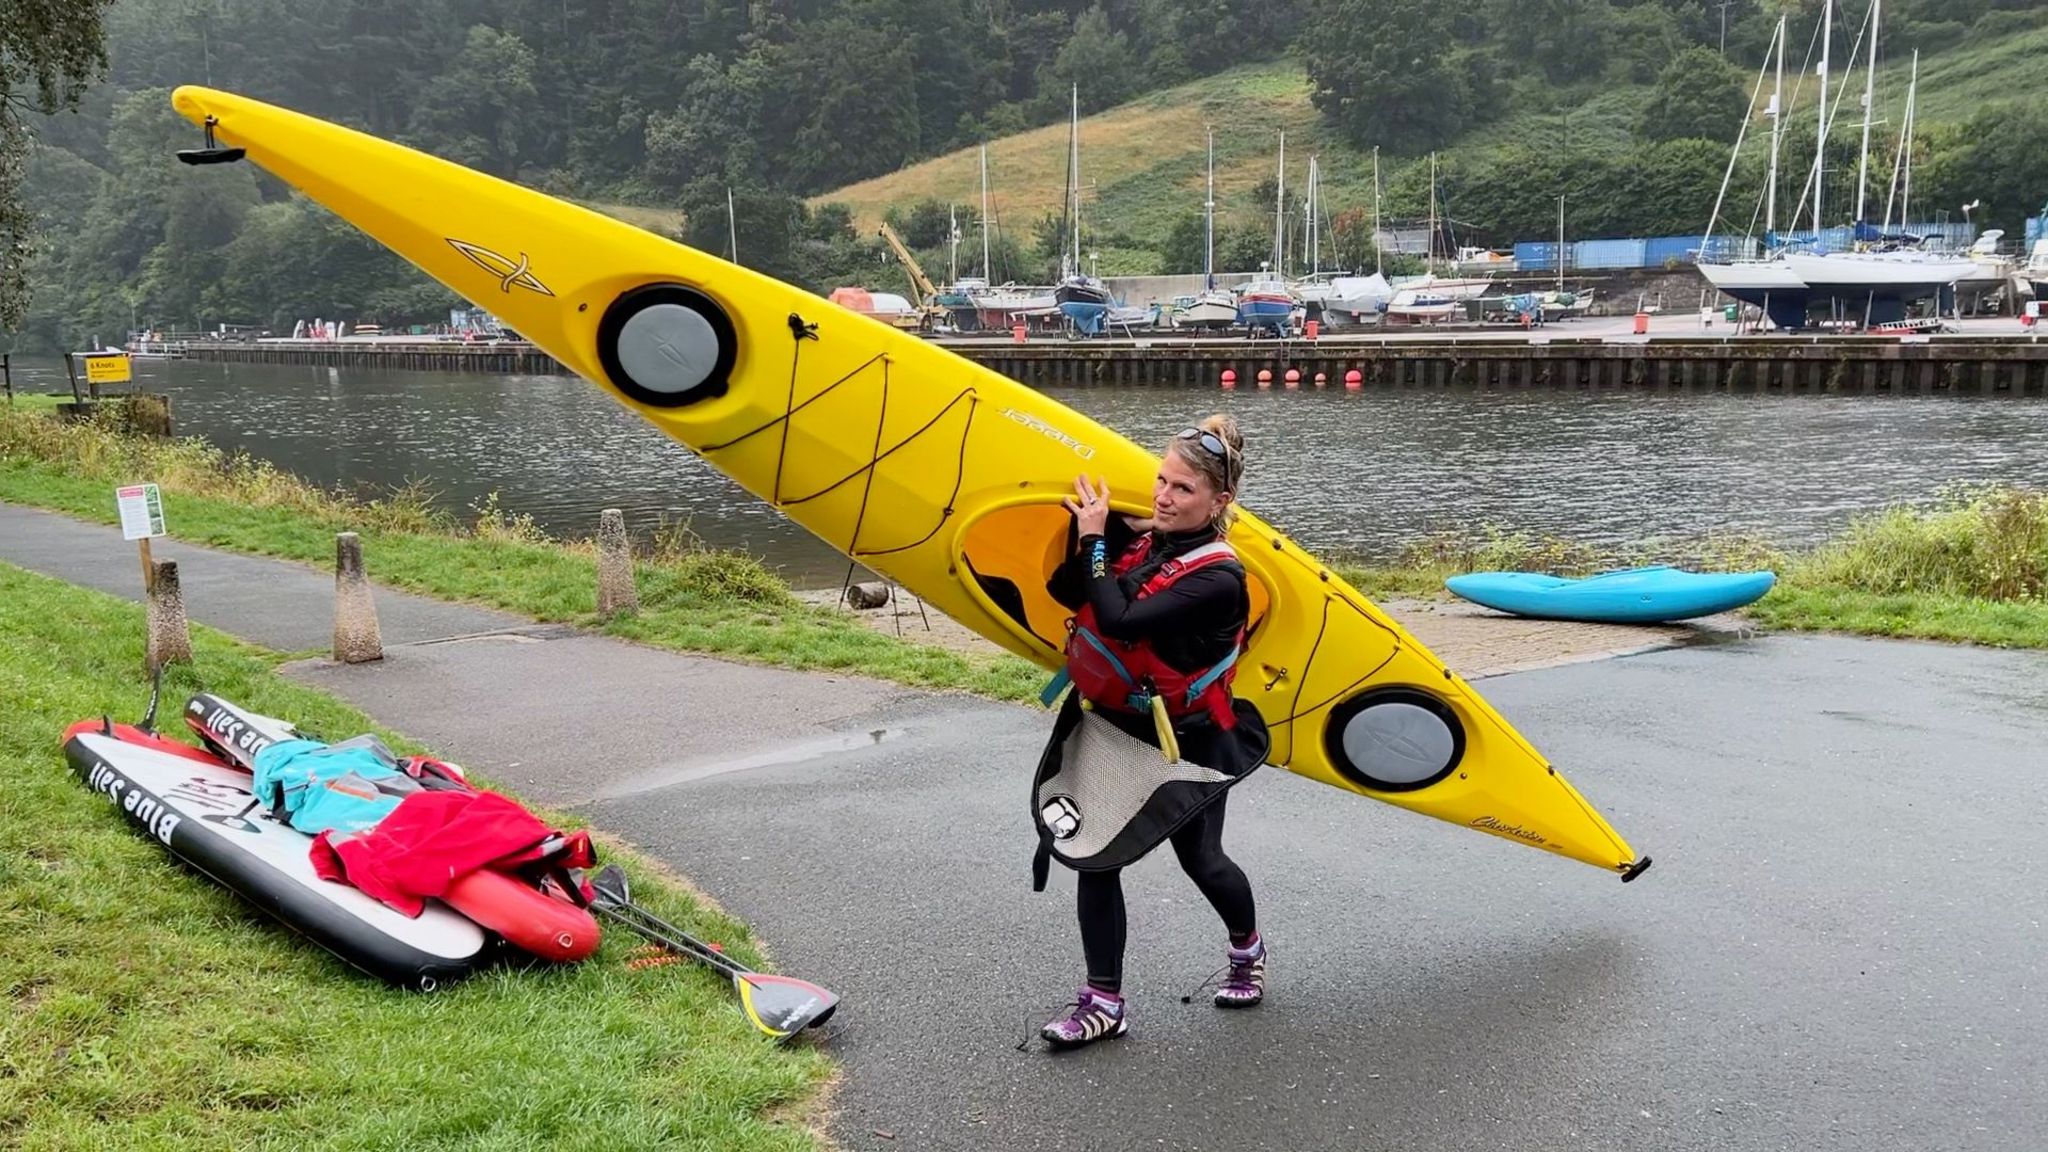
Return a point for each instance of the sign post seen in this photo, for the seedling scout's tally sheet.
(106, 368)
(142, 518)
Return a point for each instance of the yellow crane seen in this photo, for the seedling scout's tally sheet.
(927, 292)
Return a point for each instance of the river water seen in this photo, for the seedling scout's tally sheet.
(1343, 473)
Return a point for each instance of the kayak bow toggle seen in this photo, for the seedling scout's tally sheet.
(213, 153)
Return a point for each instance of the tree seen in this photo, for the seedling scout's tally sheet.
(1699, 96)
(474, 113)
(1564, 39)
(1382, 75)
(1998, 156)
(924, 224)
(1097, 60)
(49, 51)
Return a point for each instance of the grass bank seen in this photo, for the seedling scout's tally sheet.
(692, 598)
(1145, 163)
(148, 1007)
(1970, 566)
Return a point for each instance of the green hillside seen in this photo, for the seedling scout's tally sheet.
(1142, 162)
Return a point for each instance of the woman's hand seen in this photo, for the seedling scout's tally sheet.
(1089, 505)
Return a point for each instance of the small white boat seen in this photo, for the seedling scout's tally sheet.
(1216, 308)
(1417, 306)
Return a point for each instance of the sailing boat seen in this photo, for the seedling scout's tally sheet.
(1430, 285)
(993, 306)
(1269, 302)
(1213, 307)
(1558, 302)
(1361, 299)
(1872, 286)
(1770, 280)
(1082, 299)
(1875, 285)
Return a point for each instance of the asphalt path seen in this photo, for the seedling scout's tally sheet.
(1838, 947)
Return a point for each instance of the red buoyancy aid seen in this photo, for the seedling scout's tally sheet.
(1126, 675)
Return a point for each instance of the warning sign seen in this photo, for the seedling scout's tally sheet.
(142, 511)
(108, 368)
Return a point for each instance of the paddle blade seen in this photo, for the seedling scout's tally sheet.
(610, 885)
(783, 1006)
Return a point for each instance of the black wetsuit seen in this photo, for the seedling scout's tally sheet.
(1191, 625)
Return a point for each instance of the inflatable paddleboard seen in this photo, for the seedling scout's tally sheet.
(527, 918)
(941, 475)
(202, 812)
(1653, 595)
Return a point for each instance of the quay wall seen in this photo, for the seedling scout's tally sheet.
(2014, 366)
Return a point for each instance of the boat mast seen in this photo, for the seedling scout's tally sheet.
(1869, 95)
(953, 238)
(1308, 216)
(1906, 142)
(1777, 134)
(1280, 215)
(1560, 243)
(1429, 247)
(1209, 221)
(987, 274)
(1820, 152)
(1074, 167)
(1377, 270)
(732, 225)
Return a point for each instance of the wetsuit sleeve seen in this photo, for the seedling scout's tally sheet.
(1197, 602)
(1069, 583)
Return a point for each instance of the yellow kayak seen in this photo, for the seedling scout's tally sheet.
(942, 475)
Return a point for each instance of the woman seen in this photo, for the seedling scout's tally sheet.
(1167, 599)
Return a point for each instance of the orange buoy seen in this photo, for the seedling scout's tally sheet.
(1229, 380)
(1293, 378)
(1265, 378)
(1353, 381)
(1321, 380)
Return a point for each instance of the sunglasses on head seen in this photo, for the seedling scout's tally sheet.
(1209, 440)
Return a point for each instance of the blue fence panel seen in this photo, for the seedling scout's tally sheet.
(1954, 234)
(1608, 254)
(1721, 249)
(1661, 250)
(1536, 256)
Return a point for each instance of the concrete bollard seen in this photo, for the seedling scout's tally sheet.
(868, 594)
(356, 636)
(616, 593)
(170, 641)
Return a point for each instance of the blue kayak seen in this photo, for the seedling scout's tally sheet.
(1632, 596)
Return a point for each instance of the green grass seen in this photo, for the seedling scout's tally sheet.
(1143, 161)
(1916, 615)
(34, 402)
(1971, 566)
(692, 598)
(150, 1008)
(1955, 84)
